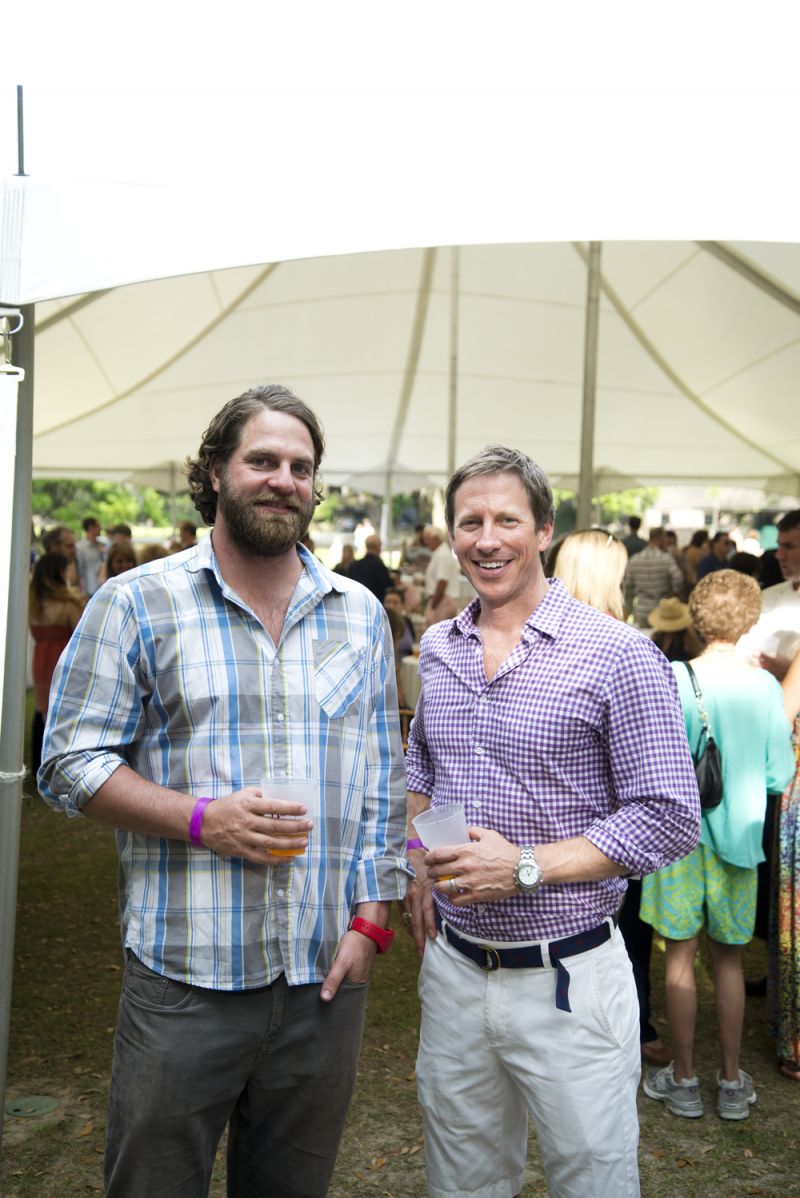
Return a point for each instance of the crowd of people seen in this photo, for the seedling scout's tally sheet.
(565, 693)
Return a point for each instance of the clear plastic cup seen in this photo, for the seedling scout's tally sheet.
(293, 790)
(439, 827)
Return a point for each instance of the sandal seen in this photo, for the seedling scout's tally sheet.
(790, 1070)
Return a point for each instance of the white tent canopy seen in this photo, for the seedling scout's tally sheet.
(697, 379)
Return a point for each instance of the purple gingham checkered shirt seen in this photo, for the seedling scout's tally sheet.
(580, 732)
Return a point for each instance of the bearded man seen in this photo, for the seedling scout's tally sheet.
(250, 922)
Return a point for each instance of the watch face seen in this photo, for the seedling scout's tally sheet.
(528, 874)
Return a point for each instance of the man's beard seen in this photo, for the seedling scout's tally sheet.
(254, 529)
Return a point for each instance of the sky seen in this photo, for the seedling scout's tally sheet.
(603, 120)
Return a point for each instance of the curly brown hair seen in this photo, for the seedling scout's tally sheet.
(724, 605)
(224, 433)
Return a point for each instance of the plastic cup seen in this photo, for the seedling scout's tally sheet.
(293, 790)
(439, 827)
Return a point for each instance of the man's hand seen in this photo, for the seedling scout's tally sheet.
(417, 906)
(356, 952)
(242, 825)
(354, 959)
(481, 871)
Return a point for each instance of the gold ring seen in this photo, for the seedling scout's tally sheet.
(453, 886)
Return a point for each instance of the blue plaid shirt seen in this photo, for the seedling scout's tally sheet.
(172, 674)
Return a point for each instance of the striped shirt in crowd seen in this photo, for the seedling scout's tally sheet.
(651, 576)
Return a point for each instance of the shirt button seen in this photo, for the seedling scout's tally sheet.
(279, 716)
(479, 749)
(476, 802)
(280, 893)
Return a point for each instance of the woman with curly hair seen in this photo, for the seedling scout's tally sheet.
(715, 886)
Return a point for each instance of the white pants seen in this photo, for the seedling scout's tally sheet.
(494, 1048)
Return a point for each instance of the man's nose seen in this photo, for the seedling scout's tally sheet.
(281, 477)
(488, 536)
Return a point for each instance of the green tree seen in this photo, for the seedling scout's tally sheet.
(68, 501)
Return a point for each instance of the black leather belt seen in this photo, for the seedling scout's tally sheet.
(530, 956)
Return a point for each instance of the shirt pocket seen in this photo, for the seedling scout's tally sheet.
(338, 676)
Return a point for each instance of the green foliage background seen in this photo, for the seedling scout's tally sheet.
(69, 500)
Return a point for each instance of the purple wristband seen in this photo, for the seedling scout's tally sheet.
(416, 843)
(196, 822)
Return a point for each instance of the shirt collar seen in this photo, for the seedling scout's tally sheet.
(545, 618)
(202, 557)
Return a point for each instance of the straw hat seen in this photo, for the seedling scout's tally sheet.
(670, 616)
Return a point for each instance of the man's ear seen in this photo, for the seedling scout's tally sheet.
(213, 474)
(545, 535)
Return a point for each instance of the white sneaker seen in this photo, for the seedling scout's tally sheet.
(682, 1098)
(734, 1099)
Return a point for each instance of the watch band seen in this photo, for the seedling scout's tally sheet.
(382, 937)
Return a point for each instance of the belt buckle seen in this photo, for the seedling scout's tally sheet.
(490, 966)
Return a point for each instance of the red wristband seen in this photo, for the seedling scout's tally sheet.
(383, 937)
(196, 822)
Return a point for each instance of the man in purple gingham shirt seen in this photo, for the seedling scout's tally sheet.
(559, 730)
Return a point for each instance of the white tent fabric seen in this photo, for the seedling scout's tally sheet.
(698, 368)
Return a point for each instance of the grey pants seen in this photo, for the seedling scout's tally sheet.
(277, 1064)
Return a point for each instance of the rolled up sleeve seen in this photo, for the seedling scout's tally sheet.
(96, 706)
(657, 815)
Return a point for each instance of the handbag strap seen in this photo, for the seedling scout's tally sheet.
(698, 694)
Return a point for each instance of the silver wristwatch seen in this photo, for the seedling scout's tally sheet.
(528, 873)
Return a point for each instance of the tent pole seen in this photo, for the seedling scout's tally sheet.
(20, 132)
(586, 478)
(387, 529)
(173, 507)
(453, 395)
(13, 710)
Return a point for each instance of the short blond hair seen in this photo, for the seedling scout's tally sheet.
(724, 605)
(591, 564)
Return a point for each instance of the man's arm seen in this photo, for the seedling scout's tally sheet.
(438, 593)
(791, 690)
(484, 869)
(235, 825)
(676, 576)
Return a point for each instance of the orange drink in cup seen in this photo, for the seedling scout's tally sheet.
(293, 790)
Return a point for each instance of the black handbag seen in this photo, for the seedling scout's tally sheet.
(707, 759)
